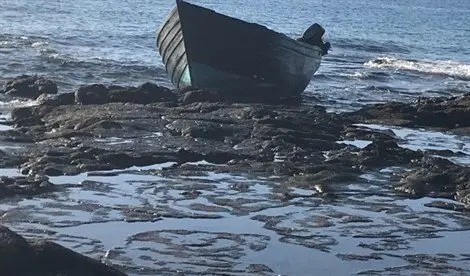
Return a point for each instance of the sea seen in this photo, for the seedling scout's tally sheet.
(382, 50)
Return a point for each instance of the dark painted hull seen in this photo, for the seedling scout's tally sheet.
(208, 50)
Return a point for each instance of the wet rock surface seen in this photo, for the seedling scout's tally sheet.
(437, 178)
(104, 128)
(288, 170)
(24, 186)
(432, 176)
(36, 257)
(447, 113)
(29, 87)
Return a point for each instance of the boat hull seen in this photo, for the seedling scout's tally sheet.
(208, 50)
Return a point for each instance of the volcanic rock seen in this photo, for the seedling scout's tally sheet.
(29, 87)
(92, 94)
(119, 127)
(437, 177)
(427, 112)
(19, 256)
(56, 100)
(24, 186)
(200, 95)
(144, 94)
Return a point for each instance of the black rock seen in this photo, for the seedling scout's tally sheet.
(92, 94)
(200, 96)
(15, 252)
(144, 94)
(46, 86)
(24, 186)
(29, 87)
(120, 159)
(56, 100)
(20, 113)
(26, 116)
(19, 256)
(437, 177)
(428, 112)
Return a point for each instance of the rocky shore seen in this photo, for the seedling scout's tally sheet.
(101, 128)
(36, 257)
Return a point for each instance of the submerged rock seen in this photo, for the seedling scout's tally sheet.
(19, 256)
(24, 186)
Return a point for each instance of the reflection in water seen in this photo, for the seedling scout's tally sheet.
(210, 223)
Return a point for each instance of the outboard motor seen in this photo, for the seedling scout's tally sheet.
(314, 36)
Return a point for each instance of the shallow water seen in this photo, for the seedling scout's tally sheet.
(216, 223)
(421, 139)
(207, 223)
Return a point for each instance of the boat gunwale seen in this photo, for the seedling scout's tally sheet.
(296, 49)
(308, 47)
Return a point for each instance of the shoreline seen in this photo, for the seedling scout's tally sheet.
(106, 128)
(105, 131)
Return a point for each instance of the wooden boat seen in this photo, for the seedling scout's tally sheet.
(205, 49)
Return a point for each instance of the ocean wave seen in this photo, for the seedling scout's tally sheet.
(386, 89)
(68, 61)
(435, 67)
(15, 41)
(7, 41)
(74, 71)
(5, 44)
(95, 57)
(16, 103)
(355, 74)
(39, 44)
(370, 46)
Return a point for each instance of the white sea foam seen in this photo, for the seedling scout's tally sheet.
(438, 67)
(4, 43)
(39, 44)
(354, 75)
(17, 103)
